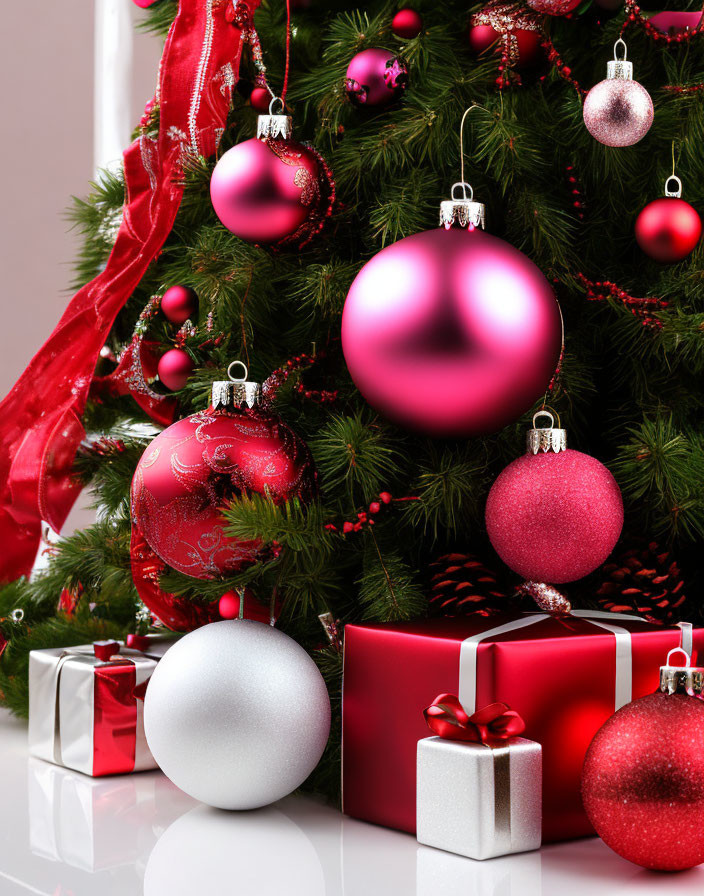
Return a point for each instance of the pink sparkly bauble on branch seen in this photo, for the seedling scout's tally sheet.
(554, 515)
(619, 110)
(668, 229)
(643, 775)
(451, 332)
(553, 7)
(375, 78)
(407, 23)
(174, 368)
(193, 469)
(271, 189)
(179, 303)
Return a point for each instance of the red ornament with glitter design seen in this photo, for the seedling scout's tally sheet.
(513, 31)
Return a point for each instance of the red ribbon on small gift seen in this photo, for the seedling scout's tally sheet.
(446, 718)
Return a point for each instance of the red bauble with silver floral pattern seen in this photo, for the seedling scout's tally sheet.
(553, 7)
(512, 31)
(196, 466)
(271, 189)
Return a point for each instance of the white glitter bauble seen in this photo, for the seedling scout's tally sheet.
(618, 112)
(237, 714)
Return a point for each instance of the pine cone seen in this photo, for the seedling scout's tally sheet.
(461, 584)
(644, 578)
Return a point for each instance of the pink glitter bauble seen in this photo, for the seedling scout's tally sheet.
(553, 7)
(643, 782)
(264, 190)
(195, 467)
(618, 112)
(554, 517)
(375, 78)
(174, 368)
(451, 332)
(179, 303)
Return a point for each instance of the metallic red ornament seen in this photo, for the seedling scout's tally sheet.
(174, 368)
(643, 776)
(554, 514)
(407, 23)
(451, 332)
(376, 77)
(199, 464)
(271, 189)
(668, 229)
(179, 303)
(619, 110)
(511, 30)
(553, 7)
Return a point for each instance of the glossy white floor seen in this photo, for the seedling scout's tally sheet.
(64, 834)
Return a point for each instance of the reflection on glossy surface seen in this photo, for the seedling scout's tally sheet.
(65, 834)
(213, 851)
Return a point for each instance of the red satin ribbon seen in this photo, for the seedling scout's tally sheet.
(40, 426)
(446, 718)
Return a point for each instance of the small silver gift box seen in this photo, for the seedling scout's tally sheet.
(479, 800)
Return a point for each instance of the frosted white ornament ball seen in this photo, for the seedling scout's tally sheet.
(237, 714)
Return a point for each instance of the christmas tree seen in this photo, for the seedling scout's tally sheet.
(398, 516)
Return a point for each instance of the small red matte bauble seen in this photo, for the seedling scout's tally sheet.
(668, 229)
(553, 7)
(451, 332)
(375, 77)
(643, 782)
(554, 517)
(144, 3)
(407, 23)
(229, 607)
(260, 99)
(174, 368)
(179, 303)
(509, 30)
(264, 190)
(193, 469)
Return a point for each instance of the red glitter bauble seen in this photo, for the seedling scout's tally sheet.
(553, 7)
(451, 332)
(643, 782)
(554, 517)
(508, 29)
(668, 229)
(174, 368)
(195, 467)
(260, 99)
(375, 77)
(179, 303)
(264, 190)
(407, 23)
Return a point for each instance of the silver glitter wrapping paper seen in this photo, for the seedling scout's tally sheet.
(479, 801)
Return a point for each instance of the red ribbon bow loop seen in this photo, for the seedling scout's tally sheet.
(446, 718)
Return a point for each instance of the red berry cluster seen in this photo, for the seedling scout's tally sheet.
(576, 192)
(365, 518)
(297, 364)
(683, 89)
(642, 308)
(635, 16)
(564, 71)
(106, 447)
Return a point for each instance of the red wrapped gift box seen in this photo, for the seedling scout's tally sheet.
(564, 675)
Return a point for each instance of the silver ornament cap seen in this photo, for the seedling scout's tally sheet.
(676, 678)
(541, 440)
(275, 126)
(620, 69)
(462, 211)
(236, 392)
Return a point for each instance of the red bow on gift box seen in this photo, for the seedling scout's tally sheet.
(446, 718)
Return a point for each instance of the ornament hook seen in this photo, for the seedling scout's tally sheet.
(276, 99)
(236, 379)
(17, 615)
(465, 186)
(681, 650)
(625, 50)
(677, 192)
(547, 412)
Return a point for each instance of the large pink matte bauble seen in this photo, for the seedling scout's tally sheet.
(643, 783)
(263, 190)
(451, 332)
(375, 78)
(193, 469)
(554, 517)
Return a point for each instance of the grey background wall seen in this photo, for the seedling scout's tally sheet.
(46, 155)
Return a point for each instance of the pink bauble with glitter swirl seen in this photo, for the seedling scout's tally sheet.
(618, 112)
(451, 332)
(375, 77)
(264, 190)
(195, 467)
(554, 517)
